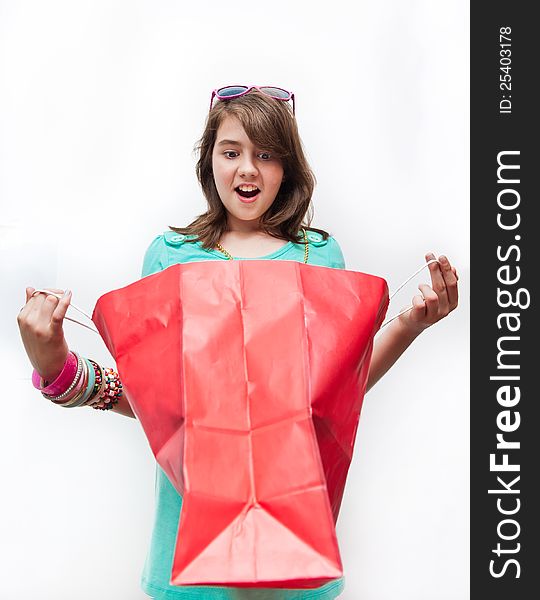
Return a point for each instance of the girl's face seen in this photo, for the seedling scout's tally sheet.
(237, 163)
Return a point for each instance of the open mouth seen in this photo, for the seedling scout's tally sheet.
(250, 194)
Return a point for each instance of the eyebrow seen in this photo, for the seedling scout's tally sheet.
(229, 143)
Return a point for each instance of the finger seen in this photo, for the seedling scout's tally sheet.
(455, 273)
(418, 312)
(450, 282)
(37, 301)
(48, 307)
(27, 307)
(438, 283)
(418, 302)
(31, 314)
(431, 300)
(48, 290)
(59, 313)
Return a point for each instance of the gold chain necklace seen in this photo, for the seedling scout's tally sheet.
(306, 248)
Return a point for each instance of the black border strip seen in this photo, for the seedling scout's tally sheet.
(504, 128)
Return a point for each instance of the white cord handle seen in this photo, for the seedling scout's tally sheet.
(92, 328)
(401, 286)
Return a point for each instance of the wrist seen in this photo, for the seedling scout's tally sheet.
(48, 377)
(56, 380)
(406, 329)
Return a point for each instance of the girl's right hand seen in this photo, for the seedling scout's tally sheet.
(40, 323)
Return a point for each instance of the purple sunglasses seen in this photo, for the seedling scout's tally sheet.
(235, 91)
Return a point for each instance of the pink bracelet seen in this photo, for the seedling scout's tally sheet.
(62, 382)
(77, 391)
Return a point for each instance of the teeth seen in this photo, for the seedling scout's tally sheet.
(247, 188)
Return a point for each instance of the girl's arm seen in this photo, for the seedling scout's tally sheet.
(434, 304)
(41, 326)
(122, 407)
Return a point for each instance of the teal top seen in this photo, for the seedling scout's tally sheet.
(169, 249)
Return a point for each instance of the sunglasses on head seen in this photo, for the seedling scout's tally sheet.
(235, 91)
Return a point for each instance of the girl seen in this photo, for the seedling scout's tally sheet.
(258, 186)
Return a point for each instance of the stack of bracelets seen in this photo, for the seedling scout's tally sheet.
(82, 382)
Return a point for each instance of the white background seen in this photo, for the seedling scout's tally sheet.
(101, 103)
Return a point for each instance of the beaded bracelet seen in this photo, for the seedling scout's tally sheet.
(113, 390)
(107, 388)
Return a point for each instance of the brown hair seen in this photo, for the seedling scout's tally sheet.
(270, 124)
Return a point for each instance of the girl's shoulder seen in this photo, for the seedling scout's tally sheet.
(163, 251)
(171, 238)
(316, 238)
(327, 247)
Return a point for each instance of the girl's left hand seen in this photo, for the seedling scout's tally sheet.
(437, 301)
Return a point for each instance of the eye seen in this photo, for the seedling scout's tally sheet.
(228, 152)
(267, 154)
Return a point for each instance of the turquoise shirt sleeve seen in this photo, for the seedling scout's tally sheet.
(335, 258)
(154, 257)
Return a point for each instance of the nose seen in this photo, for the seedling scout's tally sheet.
(247, 167)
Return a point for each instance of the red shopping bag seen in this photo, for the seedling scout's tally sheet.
(248, 379)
